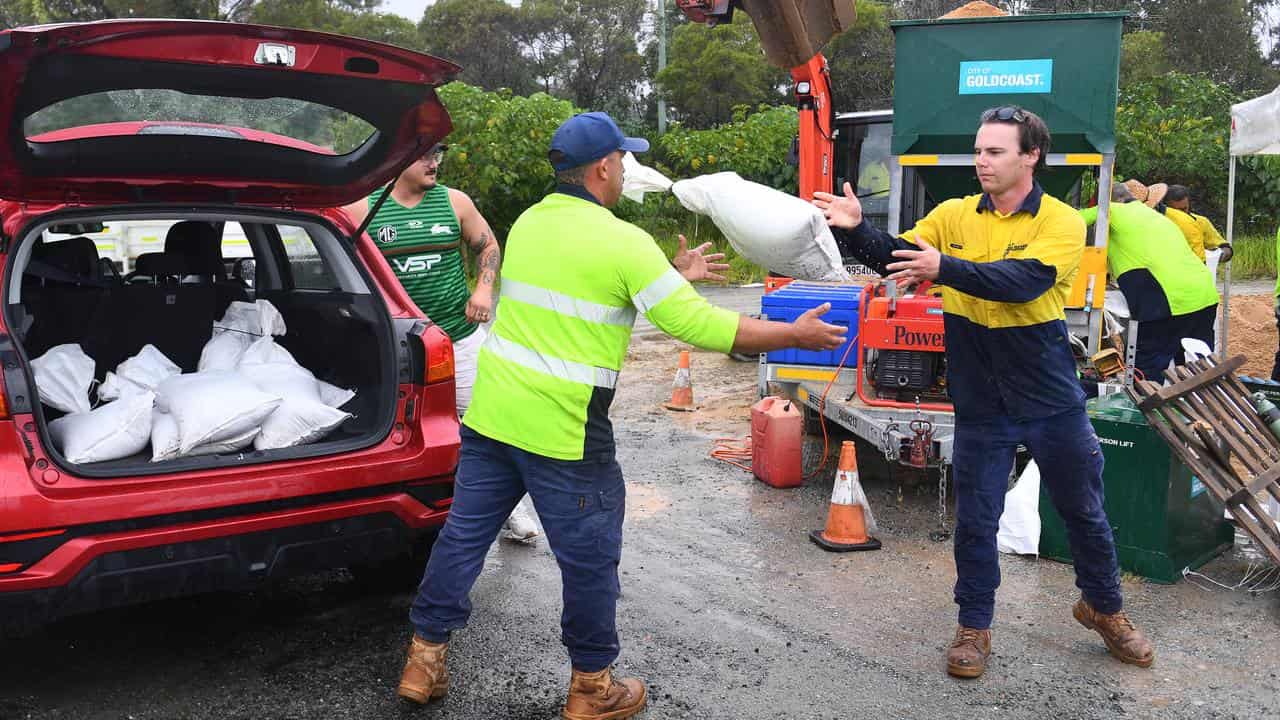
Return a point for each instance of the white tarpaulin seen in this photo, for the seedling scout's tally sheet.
(1255, 126)
(1255, 130)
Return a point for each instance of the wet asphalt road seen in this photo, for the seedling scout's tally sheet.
(727, 611)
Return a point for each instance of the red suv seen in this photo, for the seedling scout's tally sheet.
(154, 172)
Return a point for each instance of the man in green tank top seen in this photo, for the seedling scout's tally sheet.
(420, 229)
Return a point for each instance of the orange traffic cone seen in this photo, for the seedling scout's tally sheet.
(849, 516)
(682, 388)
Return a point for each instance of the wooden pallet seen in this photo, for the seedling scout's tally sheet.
(1209, 421)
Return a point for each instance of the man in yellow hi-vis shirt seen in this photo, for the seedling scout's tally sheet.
(1006, 259)
(572, 281)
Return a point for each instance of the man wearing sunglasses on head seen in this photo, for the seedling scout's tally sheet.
(1007, 258)
(420, 229)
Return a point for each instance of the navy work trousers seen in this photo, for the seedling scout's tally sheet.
(581, 505)
(1070, 461)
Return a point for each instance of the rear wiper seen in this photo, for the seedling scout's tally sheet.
(377, 205)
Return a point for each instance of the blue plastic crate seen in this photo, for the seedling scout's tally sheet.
(790, 302)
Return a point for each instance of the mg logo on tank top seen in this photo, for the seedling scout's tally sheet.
(416, 263)
(387, 234)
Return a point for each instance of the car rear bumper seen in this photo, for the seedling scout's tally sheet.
(93, 572)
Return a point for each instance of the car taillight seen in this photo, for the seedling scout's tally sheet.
(439, 353)
(4, 401)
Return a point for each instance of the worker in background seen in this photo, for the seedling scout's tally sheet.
(420, 229)
(1153, 196)
(1169, 291)
(574, 278)
(1006, 259)
(1179, 198)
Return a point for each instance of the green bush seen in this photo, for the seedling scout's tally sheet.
(755, 146)
(498, 149)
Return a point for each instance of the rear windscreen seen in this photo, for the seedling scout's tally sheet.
(145, 111)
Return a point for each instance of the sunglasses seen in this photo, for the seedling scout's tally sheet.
(1005, 114)
(436, 157)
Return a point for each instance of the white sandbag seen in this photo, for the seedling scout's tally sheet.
(1019, 532)
(298, 422)
(141, 373)
(113, 431)
(777, 231)
(303, 417)
(213, 406)
(114, 387)
(255, 318)
(335, 396)
(240, 326)
(63, 376)
(165, 441)
(223, 351)
(265, 350)
(148, 368)
(639, 179)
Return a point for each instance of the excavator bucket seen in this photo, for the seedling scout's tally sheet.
(792, 31)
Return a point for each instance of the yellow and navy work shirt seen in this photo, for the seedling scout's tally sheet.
(1149, 258)
(1006, 279)
(1191, 230)
(1212, 238)
(573, 278)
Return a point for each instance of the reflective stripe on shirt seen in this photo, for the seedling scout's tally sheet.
(658, 290)
(550, 365)
(567, 305)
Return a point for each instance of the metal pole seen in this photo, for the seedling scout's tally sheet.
(1226, 286)
(662, 62)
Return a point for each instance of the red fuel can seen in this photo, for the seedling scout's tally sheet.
(776, 434)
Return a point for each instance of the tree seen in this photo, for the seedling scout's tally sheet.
(481, 36)
(1223, 48)
(1143, 57)
(358, 18)
(861, 60)
(1174, 129)
(710, 71)
(586, 51)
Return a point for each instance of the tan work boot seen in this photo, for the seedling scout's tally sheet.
(425, 676)
(597, 696)
(967, 656)
(1124, 641)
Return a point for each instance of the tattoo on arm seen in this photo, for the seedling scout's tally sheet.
(490, 261)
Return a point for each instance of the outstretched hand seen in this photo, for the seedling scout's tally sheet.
(696, 266)
(917, 265)
(842, 212)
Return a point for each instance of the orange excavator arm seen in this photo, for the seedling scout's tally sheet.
(793, 32)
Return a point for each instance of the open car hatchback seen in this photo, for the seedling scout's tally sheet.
(157, 178)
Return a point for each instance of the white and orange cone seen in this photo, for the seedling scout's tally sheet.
(849, 519)
(682, 387)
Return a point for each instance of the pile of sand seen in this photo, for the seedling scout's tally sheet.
(975, 9)
(1253, 333)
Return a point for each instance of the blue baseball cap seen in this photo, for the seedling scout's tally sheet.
(590, 136)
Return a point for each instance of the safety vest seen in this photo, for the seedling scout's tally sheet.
(573, 279)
